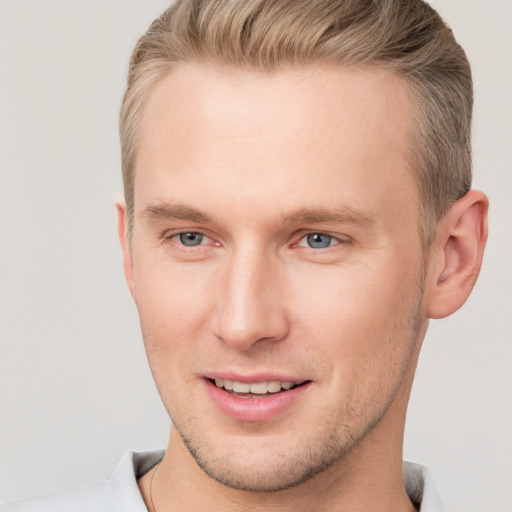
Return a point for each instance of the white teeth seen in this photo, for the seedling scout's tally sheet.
(241, 387)
(256, 388)
(274, 386)
(259, 388)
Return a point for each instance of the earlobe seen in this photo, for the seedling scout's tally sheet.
(122, 229)
(457, 256)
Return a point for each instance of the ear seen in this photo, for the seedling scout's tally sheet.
(457, 256)
(122, 229)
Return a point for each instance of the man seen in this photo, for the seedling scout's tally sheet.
(298, 206)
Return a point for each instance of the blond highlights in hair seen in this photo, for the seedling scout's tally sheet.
(406, 37)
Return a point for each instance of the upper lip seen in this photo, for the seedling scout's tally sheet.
(255, 377)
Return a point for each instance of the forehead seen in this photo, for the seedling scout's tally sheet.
(309, 97)
(340, 133)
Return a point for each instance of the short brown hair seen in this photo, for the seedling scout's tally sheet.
(407, 37)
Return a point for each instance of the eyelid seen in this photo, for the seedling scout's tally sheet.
(341, 239)
(172, 235)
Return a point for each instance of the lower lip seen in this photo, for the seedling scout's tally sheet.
(254, 409)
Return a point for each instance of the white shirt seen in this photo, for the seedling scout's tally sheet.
(121, 494)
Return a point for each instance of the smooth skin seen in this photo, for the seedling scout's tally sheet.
(276, 230)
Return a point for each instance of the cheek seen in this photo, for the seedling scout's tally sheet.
(173, 306)
(171, 311)
(365, 329)
(358, 312)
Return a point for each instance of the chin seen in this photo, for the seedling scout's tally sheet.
(264, 475)
(265, 465)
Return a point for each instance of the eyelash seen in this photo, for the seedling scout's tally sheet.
(337, 241)
(173, 236)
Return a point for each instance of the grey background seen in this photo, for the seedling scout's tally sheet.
(75, 389)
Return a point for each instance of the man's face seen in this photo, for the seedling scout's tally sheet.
(276, 244)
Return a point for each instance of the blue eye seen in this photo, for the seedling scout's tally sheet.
(317, 241)
(191, 239)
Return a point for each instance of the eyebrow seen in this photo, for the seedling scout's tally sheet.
(340, 215)
(174, 211)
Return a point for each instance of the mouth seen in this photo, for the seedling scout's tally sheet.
(260, 389)
(257, 401)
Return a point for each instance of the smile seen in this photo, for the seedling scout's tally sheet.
(257, 401)
(254, 388)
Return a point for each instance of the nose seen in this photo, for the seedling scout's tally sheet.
(251, 306)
